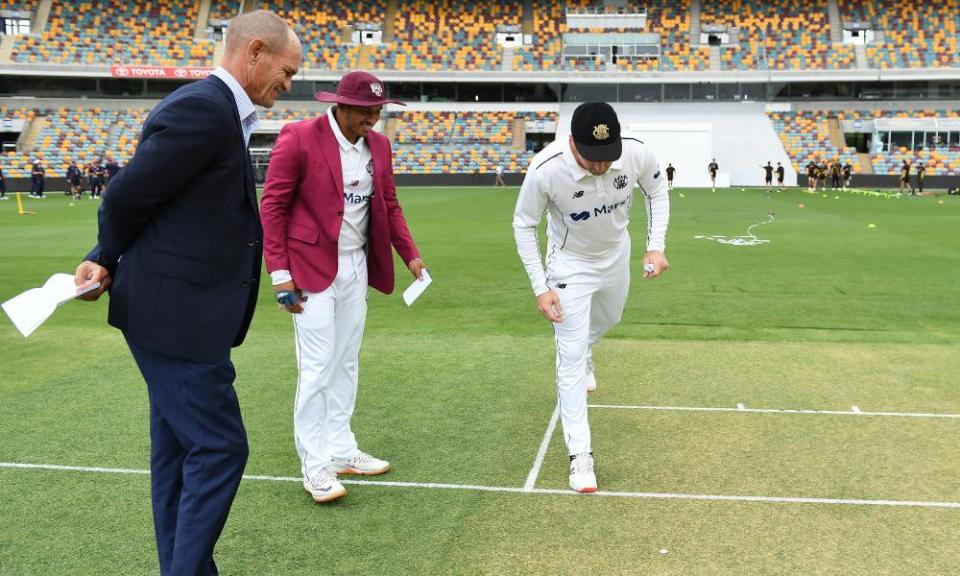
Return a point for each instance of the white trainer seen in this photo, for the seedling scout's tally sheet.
(324, 486)
(363, 464)
(591, 378)
(582, 478)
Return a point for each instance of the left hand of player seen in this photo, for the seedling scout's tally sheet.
(654, 264)
(417, 267)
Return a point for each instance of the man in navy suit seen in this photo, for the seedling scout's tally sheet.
(179, 247)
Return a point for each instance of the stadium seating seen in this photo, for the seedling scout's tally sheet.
(805, 137)
(916, 34)
(28, 5)
(224, 9)
(786, 35)
(157, 32)
(444, 34)
(425, 142)
(320, 26)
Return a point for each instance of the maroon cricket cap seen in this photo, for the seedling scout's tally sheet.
(358, 89)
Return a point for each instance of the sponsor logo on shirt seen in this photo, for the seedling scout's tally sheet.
(352, 198)
(578, 194)
(370, 166)
(597, 212)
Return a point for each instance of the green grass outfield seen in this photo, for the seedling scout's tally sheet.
(830, 316)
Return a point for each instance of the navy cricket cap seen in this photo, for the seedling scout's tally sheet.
(596, 132)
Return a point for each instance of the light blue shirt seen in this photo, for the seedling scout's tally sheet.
(248, 113)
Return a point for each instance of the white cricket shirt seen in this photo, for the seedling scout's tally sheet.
(356, 161)
(587, 215)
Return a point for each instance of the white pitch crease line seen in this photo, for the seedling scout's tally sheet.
(857, 412)
(543, 491)
(542, 452)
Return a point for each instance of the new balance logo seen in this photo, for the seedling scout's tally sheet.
(581, 216)
(578, 194)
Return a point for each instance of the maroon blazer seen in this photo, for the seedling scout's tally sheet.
(302, 208)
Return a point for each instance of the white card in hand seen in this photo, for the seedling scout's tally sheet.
(30, 309)
(418, 287)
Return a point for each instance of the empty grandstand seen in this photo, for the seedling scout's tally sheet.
(489, 82)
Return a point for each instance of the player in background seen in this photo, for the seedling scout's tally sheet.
(780, 175)
(712, 169)
(670, 172)
(905, 178)
(847, 175)
(768, 175)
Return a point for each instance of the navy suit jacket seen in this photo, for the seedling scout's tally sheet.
(180, 231)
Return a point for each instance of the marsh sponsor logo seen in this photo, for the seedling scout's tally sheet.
(608, 208)
(352, 198)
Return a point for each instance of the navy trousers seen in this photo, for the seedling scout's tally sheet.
(198, 452)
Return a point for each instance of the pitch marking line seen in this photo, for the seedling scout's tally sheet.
(544, 491)
(542, 452)
(856, 411)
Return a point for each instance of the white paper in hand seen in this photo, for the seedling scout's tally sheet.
(418, 287)
(30, 309)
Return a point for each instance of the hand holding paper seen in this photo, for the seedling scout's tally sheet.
(30, 309)
(418, 287)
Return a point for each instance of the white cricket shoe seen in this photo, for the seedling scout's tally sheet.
(582, 478)
(590, 377)
(363, 464)
(324, 486)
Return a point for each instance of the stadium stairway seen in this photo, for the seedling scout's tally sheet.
(866, 163)
(861, 53)
(389, 22)
(28, 139)
(836, 26)
(41, 17)
(203, 15)
(716, 64)
(836, 132)
(6, 48)
(695, 26)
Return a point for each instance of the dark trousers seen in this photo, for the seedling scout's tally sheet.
(36, 185)
(198, 452)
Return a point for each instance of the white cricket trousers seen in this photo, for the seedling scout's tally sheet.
(328, 335)
(592, 293)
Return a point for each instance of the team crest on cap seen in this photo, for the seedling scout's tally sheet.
(377, 89)
(601, 132)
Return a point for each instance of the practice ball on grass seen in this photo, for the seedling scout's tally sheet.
(72, 203)
(836, 197)
(939, 201)
(663, 550)
(824, 195)
(871, 225)
(801, 206)
(743, 189)
(682, 195)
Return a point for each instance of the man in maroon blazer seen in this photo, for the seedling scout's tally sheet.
(330, 216)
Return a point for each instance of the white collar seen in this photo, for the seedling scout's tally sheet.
(345, 144)
(578, 171)
(245, 107)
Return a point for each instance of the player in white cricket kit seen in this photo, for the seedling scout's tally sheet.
(586, 187)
